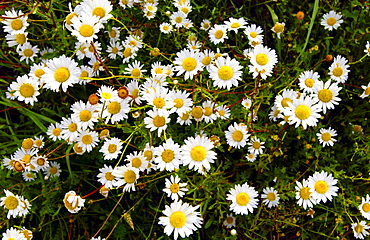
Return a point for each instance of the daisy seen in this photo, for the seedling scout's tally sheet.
(244, 199)
(184, 118)
(114, 34)
(157, 69)
(177, 19)
(26, 89)
(251, 157)
(85, 115)
(38, 142)
(149, 10)
(69, 129)
(53, 170)
(62, 71)
(54, 131)
(365, 207)
(157, 120)
(98, 8)
(230, 221)
(331, 20)
(223, 112)
(27, 52)
(327, 94)
(217, 34)
(165, 28)
(208, 111)
(187, 62)
(28, 176)
(73, 202)
(87, 140)
(263, 60)
(338, 70)
(12, 203)
(326, 136)
(271, 197)
(36, 72)
(126, 3)
(135, 70)
(303, 111)
(304, 195)
(16, 39)
(359, 229)
(207, 57)
(237, 135)
(40, 162)
(111, 148)
(256, 146)
(181, 219)
(323, 186)
(116, 111)
(134, 90)
(205, 24)
(307, 80)
(127, 176)
(78, 149)
(86, 72)
(26, 206)
(129, 53)
(27, 144)
(278, 28)
(234, 24)
(168, 156)
(134, 41)
(225, 73)
(275, 113)
(115, 49)
(92, 50)
(137, 160)
(185, 8)
(159, 98)
(174, 188)
(194, 46)
(247, 103)
(366, 92)
(182, 101)
(106, 178)
(254, 34)
(85, 28)
(197, 153)
(13, 234)
(281, 101)
(13, 23)
(367, 48)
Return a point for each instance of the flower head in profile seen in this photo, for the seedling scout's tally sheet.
(304, 195)
(366, 92)
(73, 202)
(278, 28)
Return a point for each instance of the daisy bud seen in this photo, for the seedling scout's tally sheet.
(155, 52)
(329, 58)
(93, 99)
(300, 15)
(233, 232)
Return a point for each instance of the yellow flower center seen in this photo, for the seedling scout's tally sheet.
(159, 121)
(96, 66)
(366, 207)
(18, 166)
(20, 38)
(69, 18)
(16, 24)
(253, 34)
(221, 112)
(305, 193)
(112, 33)
(185, 116)
(85, 115)
(69, 205)
(326, 136)
(338, 71)
(367, 91)
(229, 220)
(251, 155)
(321, 187)
(109, 176)
(136, 73)
(11, 202)
(86, 30)
(86, 139)
(27, 143)
(178, 19)
(331, 21)
(178, 102)
(26, 90)
(325, 95)
(198, 153)
(206, 25)
(150, 8)
(256, 145)
(168, 155)
(271, 196)
(114, 107)
(56, 131)
(133, 43)
(302, 112)
(206, 60)
(27, 52)
(208, 111)
(285, 101)
(135, 93)
(197, 112)
(225, 73)
(40, 161)
(158, 71)
(242, 199)
(276, 112)
(219, 34)
(72, 127)
(114, 50)
(136, 162)
(99, 12)
(112, 148)
(159, 102)
(189, 64)
(62, 74)
(174, 188)
(309, 82)
(38, 143)
(148, 154)
(129, 176)
(185, 10)
(84, 74)
(39, 72)
(127, 52)
(262, 59)
(359, 228)
(177, 219)
(279, 28)
(235, 25)
(77, 148)
(237, 135)
(26, 159)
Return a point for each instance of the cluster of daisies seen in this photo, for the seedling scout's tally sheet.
(17, 206)
(17, 234)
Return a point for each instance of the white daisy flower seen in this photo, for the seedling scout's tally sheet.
(36, 71)
(72, 13)
(12, 203)
(126, 176)
(93, 49)
(254, 34)
(271, 197)
(116, 111)
(185, 8)
(338, 70)
(177, 19)
(159, 98)
(244, 199)
(327, 94)
(225, 73)
(205, 24)
(184, 119)
(323, 186)
(218, 34)
(364, 207)
(326, 136)
(98, 8)
(367, 48)
(54, 131)
(281, 101)
(26, 89)
(62, 71)
(40, 162)
(27, 52)
(256, 146)
(366, 92)
(237, 135)
(26, 206)
(174, 188)
(230, 221)
(181, 219)
(114, 34)
(85, 28)
(53, 170)
(134, 90)
(13, 234)
(114, 49)
(168, 156)
(251, 157)
(304, 195)
(111, 148)
(134, 41)
(106, 178)
(182, 101)
(207, 57)
(303, 111)
(86, 71)
(85, 115)
(331, 20)
(38, 142)
(87, 140)
(149, 9)
(208, 111)
(223, 112)
(73, 202)
(157, 120)
(234, 24)
(126, 3)
(129, 53)
(359, 229)
(165, 28)
(307, 80)
(135, 70)
(187, 62)
(247, 103)
(13, 23)
(69, 129)
(194, 46)
(263, 60)
(16, 39)
(137, 160)
(197, 153)
(278, 28)
(275, 113)
(28, 176)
